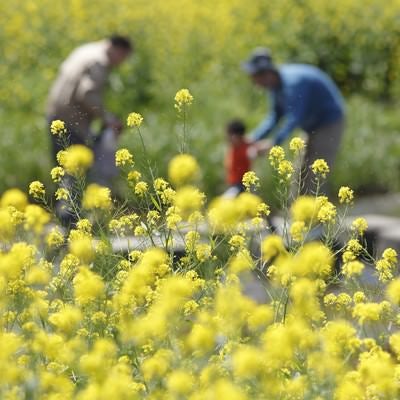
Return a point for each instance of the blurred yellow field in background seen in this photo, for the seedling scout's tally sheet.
(200, 45)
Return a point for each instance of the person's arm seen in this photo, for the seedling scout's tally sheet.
(259, 148)
(268, 124)
(90, 91)
(298, 107)
(291, 123)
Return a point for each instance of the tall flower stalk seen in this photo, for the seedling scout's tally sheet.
(183, 99)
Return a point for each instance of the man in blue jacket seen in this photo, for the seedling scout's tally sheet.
(302, 96)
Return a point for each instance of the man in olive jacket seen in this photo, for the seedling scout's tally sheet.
(76, 96)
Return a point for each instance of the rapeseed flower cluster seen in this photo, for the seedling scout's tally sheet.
(36, 189)
(123, 157)
(320, 168)
(183, 98)
(97, 197)
(14, 198)
(297, 145)
(249, 180)
(183, 169)
(58, 128)
(179, 318)
(134, 120)
(57, 174)
(346, 195)
(76, 159)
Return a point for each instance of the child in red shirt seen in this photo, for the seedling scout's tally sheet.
(238, 157)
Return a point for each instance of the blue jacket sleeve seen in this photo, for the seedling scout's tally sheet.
(297, 106)
(291, 123)
(268, 124)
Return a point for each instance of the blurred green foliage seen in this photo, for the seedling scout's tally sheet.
(199, 45)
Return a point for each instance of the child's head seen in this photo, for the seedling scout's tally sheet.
(235, 131)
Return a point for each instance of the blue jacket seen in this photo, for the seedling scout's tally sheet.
(307, 98)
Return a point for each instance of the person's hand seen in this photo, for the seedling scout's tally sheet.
(263, 146)
(250, 140)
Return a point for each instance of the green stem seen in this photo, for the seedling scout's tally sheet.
(145, 154)
(183, 146)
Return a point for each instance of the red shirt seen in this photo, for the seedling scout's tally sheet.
(237, 163)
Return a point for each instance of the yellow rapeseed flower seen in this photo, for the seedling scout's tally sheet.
(37, 190)
(36, 218)
(272, 246)
(67, 319)
(247, 362)
(346, 195)
(58, 128)
(393, 291)
(123, 157)
(261, 316)
(250, 179)
(327, 213)
(203, 252)
(247, 205)
(133, 177)
(15, 198)
(141, 188)
(359, 225)
(188, 199)
(56, 174)
(134, 120)
(297, 145)
(76, 159)
(82, 248)
(7, 225)
(385, 270)
(304, 208)
(298, 230)
(320, 167)
(180, 382)
(276, 156)
(84, 225)
(367, 312)
(352, 268)
(240, 262)
(55, 238)
(237, 242)
(201, 338)
(285, 170)
(390, 255)
(62, 194)
(88, 286)
(97, 197)
(173, 217)
(354, 246)
(183, 98)
(314, 260)
(359, 297)
(263, 210)
(223, 214)
(183, 169)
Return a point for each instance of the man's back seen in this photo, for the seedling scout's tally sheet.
(85, 70)
(322, 99)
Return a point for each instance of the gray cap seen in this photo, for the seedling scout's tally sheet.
(260, 60)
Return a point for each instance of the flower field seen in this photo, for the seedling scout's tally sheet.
(83, 321)
(196, 44)
(207, 299)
